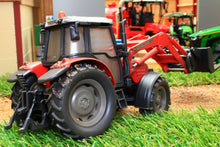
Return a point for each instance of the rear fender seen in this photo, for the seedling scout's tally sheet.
(27, 69)
(61, 67)
(13, 78)
(144, 90)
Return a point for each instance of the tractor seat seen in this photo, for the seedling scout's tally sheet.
(146, 18)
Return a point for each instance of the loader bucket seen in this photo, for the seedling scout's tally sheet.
(201, 60)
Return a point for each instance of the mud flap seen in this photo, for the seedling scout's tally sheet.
(200, 60)
(13, 77)
(145, 87)
(52, 74)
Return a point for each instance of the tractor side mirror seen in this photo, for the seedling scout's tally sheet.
(74, 32)
(42, 37)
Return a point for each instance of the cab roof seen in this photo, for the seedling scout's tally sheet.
(150, 1)
(177, 14)
(81, 19)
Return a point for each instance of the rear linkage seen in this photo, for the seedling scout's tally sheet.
(31, 110)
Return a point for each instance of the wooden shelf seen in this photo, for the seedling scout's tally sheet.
(187, 5)
(31, 3)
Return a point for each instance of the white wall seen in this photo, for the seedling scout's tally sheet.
(27, 32)
(208, 14)
(8, 56)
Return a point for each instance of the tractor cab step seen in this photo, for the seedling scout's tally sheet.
(121, 99)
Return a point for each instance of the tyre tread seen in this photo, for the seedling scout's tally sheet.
(56, 101)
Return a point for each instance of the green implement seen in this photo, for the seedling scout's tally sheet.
(208, 38)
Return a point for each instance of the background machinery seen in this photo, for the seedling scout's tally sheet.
(84, 76)
(181, 26)
(140, 15)
(208, 38)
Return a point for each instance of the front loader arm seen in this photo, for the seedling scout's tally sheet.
(168, 54)
(161, 47)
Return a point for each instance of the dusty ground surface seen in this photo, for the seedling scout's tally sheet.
(207, 96)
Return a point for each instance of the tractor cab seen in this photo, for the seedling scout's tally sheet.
(181, 26)
(80, 37)
(142, 16)
(141, 12)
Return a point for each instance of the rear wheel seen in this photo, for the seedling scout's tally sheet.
(83, 102)
(159, 98)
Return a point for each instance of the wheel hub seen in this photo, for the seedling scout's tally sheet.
(83, 100)
(158, 99)
(84, 103)
(87, 103)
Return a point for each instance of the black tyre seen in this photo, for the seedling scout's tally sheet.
(159, 98)
(83, 102)
(16, 94)
(216, 54)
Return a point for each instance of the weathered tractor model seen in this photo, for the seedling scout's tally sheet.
(85, 76)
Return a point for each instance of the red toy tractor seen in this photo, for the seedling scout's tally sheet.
(84, 76)
(139, 15)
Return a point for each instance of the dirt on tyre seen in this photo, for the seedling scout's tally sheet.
(83, 102)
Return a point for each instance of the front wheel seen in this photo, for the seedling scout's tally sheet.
(83, 102)
(159, 97)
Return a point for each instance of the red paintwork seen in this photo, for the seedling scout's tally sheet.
(111, 11)
(18, 34)
(130, 30)
(66, 62)
(39, 69)
(139, 72)
(156, 28)
(130, 34)
(154, 46)
(34, 67)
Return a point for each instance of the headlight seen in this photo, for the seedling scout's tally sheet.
(195, 42)
(194, 38)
